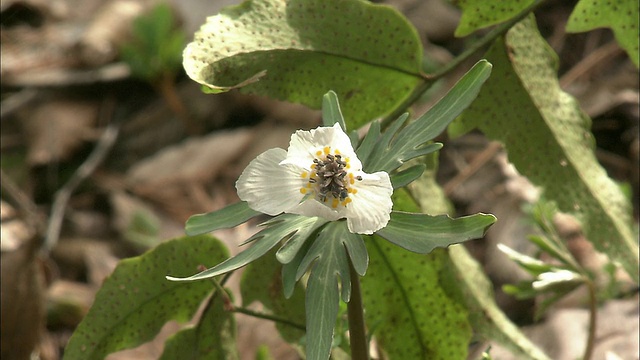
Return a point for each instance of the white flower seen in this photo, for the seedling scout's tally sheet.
(319, 175)
(550, 278)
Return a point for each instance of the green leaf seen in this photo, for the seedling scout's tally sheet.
(478, 14)
(329, 257)
(262, 281)
(331, 112)
(485, 316)
(548, 139)
(414, 317)
(407, 176)
(156, 46)
(212, 338)
(136, 300)
(532, 265)
(411, 141)
(621, 16)
(422, 233)
(285, 226)
(228, 217)
(370, 55)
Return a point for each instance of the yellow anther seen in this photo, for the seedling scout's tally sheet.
(353, 191)
(336, 151)
(334, 203)
(318, 153)
(351, 180)
(303, 190)
(304, 174)
(327, 149)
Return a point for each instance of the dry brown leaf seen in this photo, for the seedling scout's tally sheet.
(55, 129)
(196, 160)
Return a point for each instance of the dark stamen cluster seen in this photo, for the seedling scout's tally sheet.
(330, 176)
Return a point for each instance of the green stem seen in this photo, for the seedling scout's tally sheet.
(429, 79)
(591, 338)
(357, 334)
(262, 315)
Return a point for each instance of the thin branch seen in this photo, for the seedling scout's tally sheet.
(265, 316)
(62, 196)
(593, 314)
(23, 202)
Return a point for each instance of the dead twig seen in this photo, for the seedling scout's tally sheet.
(62, 196)
(23, 202)
(475, 165)
(602, 54)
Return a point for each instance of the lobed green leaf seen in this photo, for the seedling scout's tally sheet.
(411, 141)
(620, 16)
(422, 233)
(549, 140)
(282, 227)
(136, 300)
(212, 338)
(328, 254)
(228, 217)
(297, 50)
(414, 318)
(488, 320)
(478, 14)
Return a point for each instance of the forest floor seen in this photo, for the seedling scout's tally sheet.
(111, 160)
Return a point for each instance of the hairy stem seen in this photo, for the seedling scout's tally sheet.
(265, 316)
(357, 334)
(591, 337)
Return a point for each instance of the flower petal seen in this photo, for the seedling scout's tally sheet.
(313, 207)
(305, 145)
(268, 187)
(371, 204)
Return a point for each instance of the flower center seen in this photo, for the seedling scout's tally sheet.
(329, 179)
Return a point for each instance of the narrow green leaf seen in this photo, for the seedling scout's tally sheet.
(548, 139)
(228, 217)
(410, 141)
(329, 257)
(533, 266)
(407, 176)
(621, 16)
(136, 300)
(370, 139)
(478, 14)
(322, 303)
(414, 318)
(422, 233)
(285, 226)
(212, 338)
(306, 48)
(262, 281)
(305, 229)
(331, 112)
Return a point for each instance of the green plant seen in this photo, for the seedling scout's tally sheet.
(417, 306)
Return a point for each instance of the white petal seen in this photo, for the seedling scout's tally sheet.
(371, 205)
(305, 144)
(313, 207)
(269, 187)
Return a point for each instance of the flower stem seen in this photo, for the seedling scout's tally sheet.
(357, 334)
(593, 311)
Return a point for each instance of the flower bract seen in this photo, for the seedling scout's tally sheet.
(319, 175)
